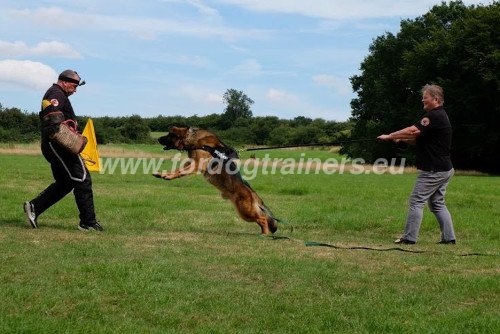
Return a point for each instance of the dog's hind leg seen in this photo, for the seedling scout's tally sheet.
(264, 227)
(271, 222)
(251, 212)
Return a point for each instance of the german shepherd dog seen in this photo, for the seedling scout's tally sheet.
(207, 151)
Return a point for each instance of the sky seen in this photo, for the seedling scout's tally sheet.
(178, 57)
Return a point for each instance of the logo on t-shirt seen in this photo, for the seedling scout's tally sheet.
(54, 102)
(425, 121)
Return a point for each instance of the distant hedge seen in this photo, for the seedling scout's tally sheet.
(22, 126)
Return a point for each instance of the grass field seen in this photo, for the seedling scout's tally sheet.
(176, 258)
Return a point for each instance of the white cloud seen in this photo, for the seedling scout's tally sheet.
(339, 85)
(197, 61)
(26, 74)
(204, 10)
(248, 67)
(148, 28)
(336, 9)
(252, 68)
(56, 49)
(286, 105)
(213, 98)
(200, 95)
(280, 97)
(53, 49)
(177, 59)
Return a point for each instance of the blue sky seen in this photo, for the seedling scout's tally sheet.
(178, 57)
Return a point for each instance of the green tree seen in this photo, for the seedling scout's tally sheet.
(301, 121)
(136, 129)
(238, 105)
(280, 136)
(16, 125)
(452, 45)
(262, 127)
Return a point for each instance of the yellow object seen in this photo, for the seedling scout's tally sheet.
(90, 154)
(45, 104)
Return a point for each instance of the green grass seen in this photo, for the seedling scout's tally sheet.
(176, 258)
(157, 134)
(293, 153)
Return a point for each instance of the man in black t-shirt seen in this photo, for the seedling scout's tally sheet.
(68, 169)
(432, 137)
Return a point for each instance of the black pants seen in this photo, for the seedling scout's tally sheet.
(69, 173)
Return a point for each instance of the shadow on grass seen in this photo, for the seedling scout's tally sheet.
(22, 224)
(277, 237)
(13, 222)
(220, 233)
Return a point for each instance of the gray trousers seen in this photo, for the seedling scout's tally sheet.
(430, 187)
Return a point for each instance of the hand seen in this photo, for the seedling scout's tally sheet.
(384, 137)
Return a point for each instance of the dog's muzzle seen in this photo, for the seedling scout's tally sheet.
(166, 141)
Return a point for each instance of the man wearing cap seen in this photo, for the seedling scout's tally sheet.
(68, 169)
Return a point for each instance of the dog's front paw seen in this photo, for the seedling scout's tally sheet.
(164, 176)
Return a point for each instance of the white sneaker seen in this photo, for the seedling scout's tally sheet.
(30, 214)
(404, 241)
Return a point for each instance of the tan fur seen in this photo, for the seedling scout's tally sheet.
(246, 201)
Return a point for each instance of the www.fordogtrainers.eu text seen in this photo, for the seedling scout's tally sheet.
(250, 168)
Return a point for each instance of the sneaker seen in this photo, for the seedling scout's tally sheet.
(29, 210)
(447, 242)
(404, 241)
(94, 226)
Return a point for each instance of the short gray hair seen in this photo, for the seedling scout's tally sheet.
(435, 91)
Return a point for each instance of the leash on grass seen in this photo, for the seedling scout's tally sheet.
(321, 244)
(317, 244)
(399, 249)
(337, 143)
(286, 223)
(314, 243)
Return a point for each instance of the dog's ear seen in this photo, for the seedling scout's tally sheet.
(179, 132)
(172, 129)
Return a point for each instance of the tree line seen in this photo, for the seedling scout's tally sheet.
(22, 126)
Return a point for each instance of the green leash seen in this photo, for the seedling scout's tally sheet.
(416, 251)
(314, 243)
(317, 244)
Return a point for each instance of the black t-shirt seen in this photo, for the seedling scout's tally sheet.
(56, 100)
(434, 142)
